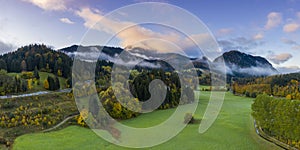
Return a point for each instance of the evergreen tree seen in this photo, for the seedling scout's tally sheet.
(51, 83)
(3, 64)
(36, 73)
(57, 85)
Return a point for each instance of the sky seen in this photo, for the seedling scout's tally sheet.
(267, 28)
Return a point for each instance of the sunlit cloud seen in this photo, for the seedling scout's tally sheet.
(258, 36)
(280, 58)
(291, 27)
(49, 5)
(66, 20)
(133, 35)
(274, 19)
(224, 31)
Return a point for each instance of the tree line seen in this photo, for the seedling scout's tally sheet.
(279, 85)
(279, 118)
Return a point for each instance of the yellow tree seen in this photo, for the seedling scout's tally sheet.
(29, 82)
(46, 84)
(59, 73)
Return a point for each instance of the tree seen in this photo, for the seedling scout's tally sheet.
(3, 64)
(36, 73)
(189, 118)
(59, 73)
(23, 65)
(57, 85)
(29, 84)
(46, 84)
(51, 83)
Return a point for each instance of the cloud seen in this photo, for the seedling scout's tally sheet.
(274, 19)
(224, 31)
(295, 45)
(291, 27)
(49, 5)
(288, 69)
(133, 35)
(66, 20)
(254, 71)
(298, 15)
(239, 43)
(289, 42)
(280, 58)
(6, 47)
(258, 36)
(162, 1)
(92, 54)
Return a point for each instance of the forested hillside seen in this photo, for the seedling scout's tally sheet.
(44, 58)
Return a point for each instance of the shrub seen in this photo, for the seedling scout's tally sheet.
(189, 118)
(27, 75)
(8, 105)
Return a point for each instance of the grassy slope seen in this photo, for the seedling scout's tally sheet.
(232, 130)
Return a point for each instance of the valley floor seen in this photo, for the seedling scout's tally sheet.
(233, 129)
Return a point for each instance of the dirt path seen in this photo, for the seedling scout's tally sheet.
(61, 123)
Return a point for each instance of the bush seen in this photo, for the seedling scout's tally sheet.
(27, 75)
(8, 105)
(189, 118)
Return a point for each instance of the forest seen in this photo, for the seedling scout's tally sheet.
(284, 85)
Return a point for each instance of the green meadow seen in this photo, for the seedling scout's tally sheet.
(233, 129)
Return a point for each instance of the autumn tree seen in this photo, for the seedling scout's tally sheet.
(46, 84)
(23, 65)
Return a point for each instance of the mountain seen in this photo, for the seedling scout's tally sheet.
(134, 57)
(239, 64)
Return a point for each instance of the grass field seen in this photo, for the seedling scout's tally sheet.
(233, 129)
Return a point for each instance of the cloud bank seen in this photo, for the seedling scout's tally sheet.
(133, 35)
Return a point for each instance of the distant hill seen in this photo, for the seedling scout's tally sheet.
(244, 65)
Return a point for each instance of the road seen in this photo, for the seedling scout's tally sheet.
(37, 93)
